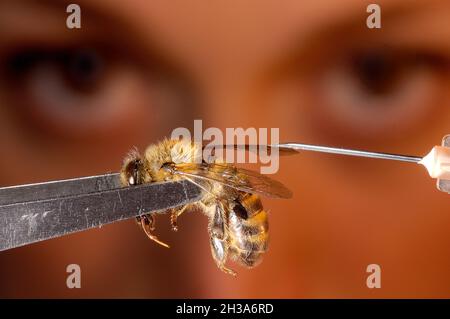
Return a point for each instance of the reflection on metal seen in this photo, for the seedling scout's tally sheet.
(37, 212)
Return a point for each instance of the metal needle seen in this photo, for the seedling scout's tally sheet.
(350, 152)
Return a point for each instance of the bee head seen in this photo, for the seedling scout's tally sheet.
(132, 172)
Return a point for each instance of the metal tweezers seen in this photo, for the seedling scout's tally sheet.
(36, 212)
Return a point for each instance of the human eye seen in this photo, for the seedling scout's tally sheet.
(380, 91)
(350, 84)
(68, 90)
(99, 81)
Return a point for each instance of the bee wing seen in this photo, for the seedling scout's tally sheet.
(237, 178)
(282, 151)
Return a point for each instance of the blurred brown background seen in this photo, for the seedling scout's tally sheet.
(73, 102)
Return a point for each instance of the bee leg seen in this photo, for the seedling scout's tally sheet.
(147, 223)
(148, 220)
(173, 220)
(219, 249)
(228, 271)
(218, 242)
(174, 214)
(151, 221)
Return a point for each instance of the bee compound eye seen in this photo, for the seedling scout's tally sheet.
(137, 174)
(133, 172)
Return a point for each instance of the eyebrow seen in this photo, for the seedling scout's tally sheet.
(18, 27)
(44, 22)
(349, 30)
(425, 25)
(401, 21)
(19, 18)
(107, 19)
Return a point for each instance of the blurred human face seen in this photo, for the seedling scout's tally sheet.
(73, 102)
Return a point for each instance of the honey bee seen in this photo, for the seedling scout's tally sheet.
(238, 224)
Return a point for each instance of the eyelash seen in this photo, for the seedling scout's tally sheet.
(377, 66)
(70, 62)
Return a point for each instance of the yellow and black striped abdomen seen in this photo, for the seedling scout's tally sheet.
(248, 230)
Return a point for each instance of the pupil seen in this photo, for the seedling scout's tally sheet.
(84, 69)
(378, 72)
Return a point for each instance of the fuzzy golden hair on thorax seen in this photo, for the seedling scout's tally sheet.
(170, 151)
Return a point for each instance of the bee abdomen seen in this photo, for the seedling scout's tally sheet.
(248, 237)
(251, 203)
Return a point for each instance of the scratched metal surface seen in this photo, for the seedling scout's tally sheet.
(444, 185)
(33, 192)
(32, 221)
